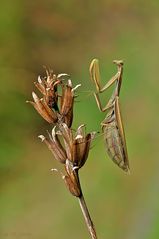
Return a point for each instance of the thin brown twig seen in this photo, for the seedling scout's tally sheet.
(87, 217)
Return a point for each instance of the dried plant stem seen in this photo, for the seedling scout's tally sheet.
(87, 217)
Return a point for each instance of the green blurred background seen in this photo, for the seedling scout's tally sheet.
(66, 35)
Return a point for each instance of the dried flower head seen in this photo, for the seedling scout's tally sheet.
(43, 109)
(48, 106)
(48, 86)
(71, 150)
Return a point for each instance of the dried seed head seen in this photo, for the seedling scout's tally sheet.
(67, 102)
(48, 105)
(72, 179)
(43, 109)
(72, 187)
(81, 146)
(68, 148)
(55, 146)
(48, 87)
(77, 147)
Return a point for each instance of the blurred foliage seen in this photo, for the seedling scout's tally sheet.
(66, 35)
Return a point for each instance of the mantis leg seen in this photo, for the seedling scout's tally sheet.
(108, 105)
(95, 75)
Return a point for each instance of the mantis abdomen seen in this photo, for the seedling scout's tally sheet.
(114, 143)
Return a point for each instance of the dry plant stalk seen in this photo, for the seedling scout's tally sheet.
(72, 148)
(68, 147)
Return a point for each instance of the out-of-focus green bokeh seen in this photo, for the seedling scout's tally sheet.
(66, 36)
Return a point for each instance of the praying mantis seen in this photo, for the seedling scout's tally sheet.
(112, 125)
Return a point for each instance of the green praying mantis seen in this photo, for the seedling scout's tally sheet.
(112, 125)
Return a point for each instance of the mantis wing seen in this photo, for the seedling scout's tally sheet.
(121, 130)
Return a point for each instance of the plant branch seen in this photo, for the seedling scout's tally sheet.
(87, 217)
